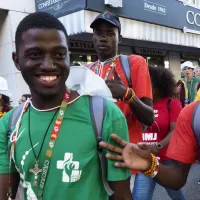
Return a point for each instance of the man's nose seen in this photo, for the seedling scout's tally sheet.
(47, 63)
(103, 37)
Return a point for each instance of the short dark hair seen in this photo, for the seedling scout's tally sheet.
(164, 80)
(37, 20)
(26, 96)
(5, 102)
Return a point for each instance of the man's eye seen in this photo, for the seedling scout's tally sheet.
(110, 33)
(98, 32)
(34, 54)
(61, 55)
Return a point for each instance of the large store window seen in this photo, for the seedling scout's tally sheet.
(81, 59)
(155, 61)
(154, 57)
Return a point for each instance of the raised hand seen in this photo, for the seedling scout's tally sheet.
(131, 156)
(117, 88)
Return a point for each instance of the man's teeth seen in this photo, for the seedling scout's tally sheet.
(48, 78)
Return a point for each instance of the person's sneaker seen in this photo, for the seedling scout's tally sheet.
(199, 182)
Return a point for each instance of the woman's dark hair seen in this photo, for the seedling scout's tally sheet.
(5, 101)
(26, 96)
(163, 80)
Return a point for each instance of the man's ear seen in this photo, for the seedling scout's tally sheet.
(16, 60)
(120, 39)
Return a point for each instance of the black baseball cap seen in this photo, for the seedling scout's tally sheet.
(108, 17)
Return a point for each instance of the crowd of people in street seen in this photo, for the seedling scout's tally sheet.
(71, 144)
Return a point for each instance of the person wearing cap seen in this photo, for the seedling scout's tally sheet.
(190, 81)
(5, 95)
(135, 102)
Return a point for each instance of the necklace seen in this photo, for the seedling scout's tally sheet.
(36, 170)
(99, 67)
(50, 109)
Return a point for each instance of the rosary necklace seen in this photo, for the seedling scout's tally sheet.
(36, 170)
(99, 67)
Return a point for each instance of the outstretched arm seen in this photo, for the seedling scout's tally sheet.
(138, 157)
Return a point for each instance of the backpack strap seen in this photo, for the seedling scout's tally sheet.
(98, 111)
(90, 66)
(195, 123)
(14, 118)
(126, 67)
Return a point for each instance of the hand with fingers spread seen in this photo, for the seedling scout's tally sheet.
(131, 156)
(117, 88)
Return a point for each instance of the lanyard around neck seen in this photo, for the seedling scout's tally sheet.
(50, 148)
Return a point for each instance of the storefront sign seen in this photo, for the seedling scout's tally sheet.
(191, 56)
(193, 18)
(154, 7)
(81, 45)
(170, 13)
(152, 52)
(59, 8)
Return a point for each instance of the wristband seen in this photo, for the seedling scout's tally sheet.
(126, 94)
(156, 169)
(132, 96)
(153, 171)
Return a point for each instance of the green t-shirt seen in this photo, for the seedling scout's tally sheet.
(74, 171)
(191, 88)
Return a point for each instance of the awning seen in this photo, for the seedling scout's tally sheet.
(79, 22)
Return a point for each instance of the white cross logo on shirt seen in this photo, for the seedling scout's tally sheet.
(71, 172)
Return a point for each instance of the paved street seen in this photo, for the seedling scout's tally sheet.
(191, 190)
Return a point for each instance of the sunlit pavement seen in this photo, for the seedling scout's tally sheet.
(191, 190)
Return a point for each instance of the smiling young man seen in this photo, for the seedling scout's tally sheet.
(53, 146)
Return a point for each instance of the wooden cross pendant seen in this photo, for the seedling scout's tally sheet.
(36, 170)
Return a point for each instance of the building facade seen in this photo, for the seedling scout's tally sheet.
(11, 13)
(166, 33)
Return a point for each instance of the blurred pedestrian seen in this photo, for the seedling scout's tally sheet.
(190, 81)
(5, 95)
(24, 98)
(157, 136)
(197, 72)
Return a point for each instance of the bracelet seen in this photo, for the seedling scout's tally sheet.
(156, 169)
(153, 171)
(132, 96)
(153, 163)
(126, 94)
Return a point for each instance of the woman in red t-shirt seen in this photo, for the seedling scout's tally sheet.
(166, 111)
